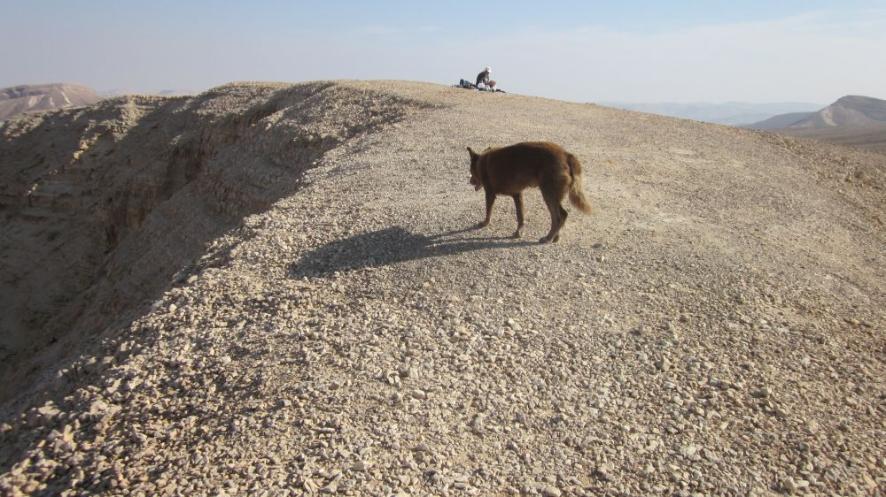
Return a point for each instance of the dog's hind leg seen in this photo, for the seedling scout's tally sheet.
(563, 216)
(552, 200)
(518, 204)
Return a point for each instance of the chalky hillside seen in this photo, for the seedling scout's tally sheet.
(273, 289)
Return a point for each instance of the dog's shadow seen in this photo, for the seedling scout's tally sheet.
(390, 246)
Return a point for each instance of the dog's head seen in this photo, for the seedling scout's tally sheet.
(475, 172)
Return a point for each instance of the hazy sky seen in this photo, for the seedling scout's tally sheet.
(754, 51)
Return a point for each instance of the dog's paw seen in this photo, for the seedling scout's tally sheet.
(544, 239)
(481, 224)
(517, 234)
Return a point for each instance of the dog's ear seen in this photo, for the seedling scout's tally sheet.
(473, 154)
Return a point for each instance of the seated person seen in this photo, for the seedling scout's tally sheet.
(483, 77)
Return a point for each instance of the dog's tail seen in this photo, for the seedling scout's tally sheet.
(576, 192)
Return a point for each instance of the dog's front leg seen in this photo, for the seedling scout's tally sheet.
(518, 204)
(490, 199)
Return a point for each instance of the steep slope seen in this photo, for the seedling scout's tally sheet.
(103, 205)
(715, 327)
(35, 98)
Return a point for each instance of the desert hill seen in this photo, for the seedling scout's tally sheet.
(848, 111)
(34, 98)
(275, 289)
(852, 120)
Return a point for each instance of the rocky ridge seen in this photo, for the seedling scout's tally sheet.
(321, 319)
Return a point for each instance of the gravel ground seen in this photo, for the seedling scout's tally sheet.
(715, 327)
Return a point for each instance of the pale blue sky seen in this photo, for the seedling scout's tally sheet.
(755, 51)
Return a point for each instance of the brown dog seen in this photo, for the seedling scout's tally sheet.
(510, 170)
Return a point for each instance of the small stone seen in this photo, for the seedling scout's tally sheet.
(98, 409)
(45, 414)
(477, 424)
(113, 387)
(761, 393)
(604, 472)
(663, 364)
(550, 491)
(689, 451)
(869, 481)
(788, 485)
(309, 485)
(433, 476)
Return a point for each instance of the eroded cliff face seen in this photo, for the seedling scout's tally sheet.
(102, 208)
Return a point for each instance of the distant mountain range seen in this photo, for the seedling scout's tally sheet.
(33, 98)
(116, 92)
(731, 113)
(852, 120)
